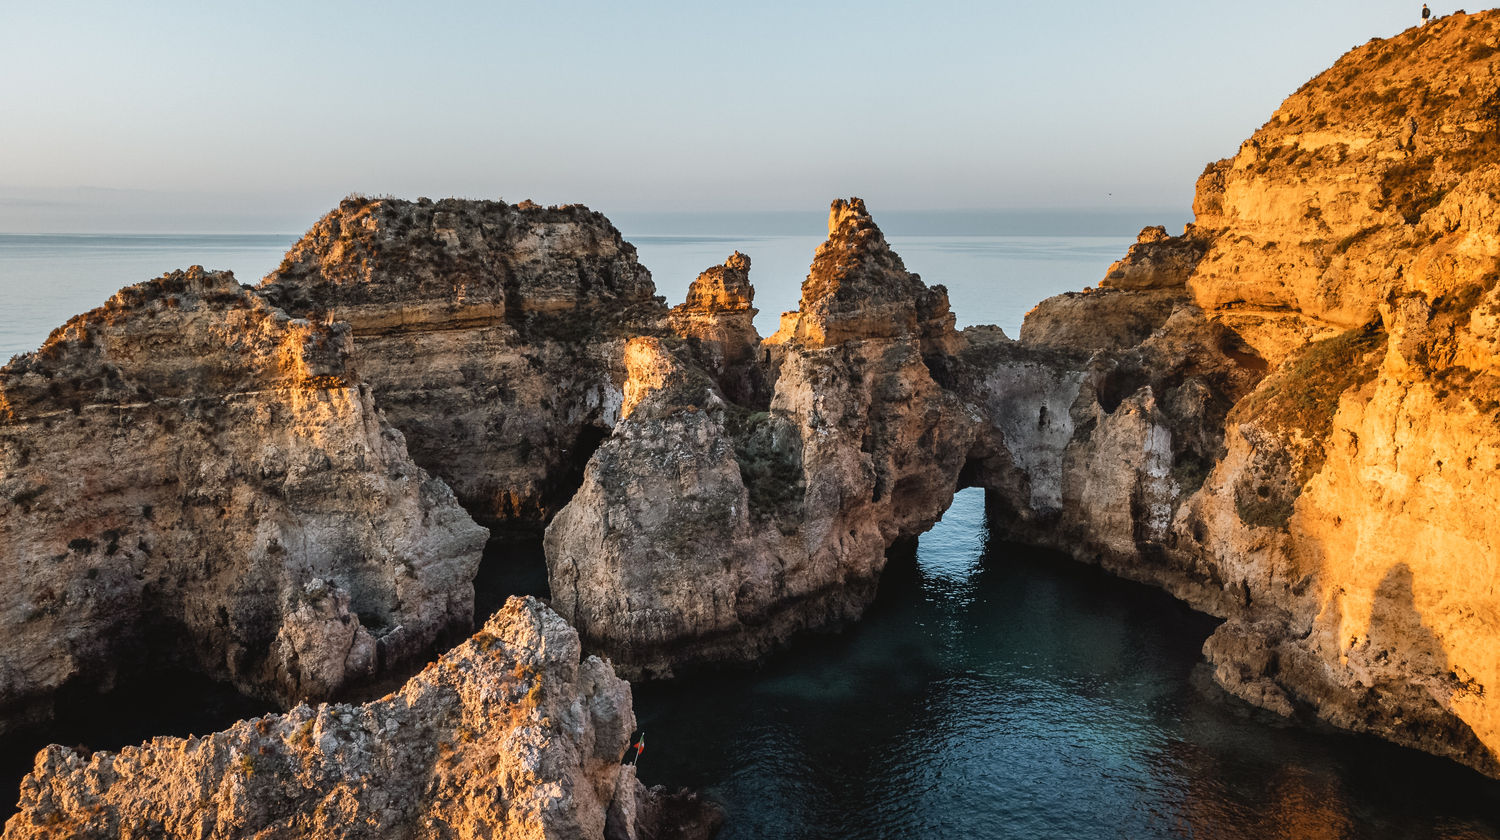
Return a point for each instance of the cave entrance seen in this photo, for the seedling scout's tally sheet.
(513, 564)
(564, 483)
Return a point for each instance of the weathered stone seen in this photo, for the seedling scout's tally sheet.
(1303, 450)
(491, 334)
(188, 476)
(719, 320)
(708, 531)
(511, 734)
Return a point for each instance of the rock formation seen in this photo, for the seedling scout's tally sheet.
(718, 320)
(492, 335)
(1288, 416)
(1344, 266)
(511, 734)
(708, 529)
(189, 476)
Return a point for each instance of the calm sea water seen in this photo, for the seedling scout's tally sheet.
(991, 692)
(46, 279)
(990, 279)
(998, 692)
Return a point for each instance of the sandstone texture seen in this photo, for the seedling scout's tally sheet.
(709, 528)
(190, 477)
(492, 335)
(1289, 415)
(718, 321)
(513, 734)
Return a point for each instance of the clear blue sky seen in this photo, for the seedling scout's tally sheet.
(259, 116)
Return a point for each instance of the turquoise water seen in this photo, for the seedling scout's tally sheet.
(998, 692)
(991, 692)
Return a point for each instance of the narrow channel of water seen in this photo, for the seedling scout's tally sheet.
(995, 691)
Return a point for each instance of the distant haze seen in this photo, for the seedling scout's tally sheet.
(259, 117)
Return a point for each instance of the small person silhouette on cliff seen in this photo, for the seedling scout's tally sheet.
(1426, 13)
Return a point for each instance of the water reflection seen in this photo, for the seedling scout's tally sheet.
(996, 692)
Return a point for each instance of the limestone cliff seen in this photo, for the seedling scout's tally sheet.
(710, 530)
(492, 335)
(1306, 442)
(1333, 203)
(512, 734)
(1289, 416)
(718, 320)
(189, 476)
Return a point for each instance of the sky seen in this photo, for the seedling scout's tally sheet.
(259, 116)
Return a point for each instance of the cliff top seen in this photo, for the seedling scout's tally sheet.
(461, 253)
(723, 288)
(186, 334)
(859, 288)
(1377, 177)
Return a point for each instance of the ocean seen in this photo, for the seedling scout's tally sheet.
(991, 692)
(45, 279)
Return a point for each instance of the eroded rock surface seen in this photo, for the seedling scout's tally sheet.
(511, 735)
(711, 530)
(718, 320)
(1307, 442)
(189, 476)
(492, 335)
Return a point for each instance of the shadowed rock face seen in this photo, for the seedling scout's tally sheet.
(492, 335)
(512, 734)
(1286, 416)
(1283, 416)
(189, 476)
(711, 530)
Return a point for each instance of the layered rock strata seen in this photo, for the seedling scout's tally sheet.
(512, 734)
(190, 477)
(492, 335)
(1346, 269)
(1285, 416)
(718, 321)
(710, 530)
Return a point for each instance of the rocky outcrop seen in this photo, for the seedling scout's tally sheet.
(189, 476)
(1286, 416)
(492, 335)
(709, 530)
(512, 734)
(1314, 221)
(1134, 299)
(718, 320)
(1302, 444)
(859, 290)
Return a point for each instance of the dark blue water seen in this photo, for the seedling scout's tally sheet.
(994, 691)
(991, 692)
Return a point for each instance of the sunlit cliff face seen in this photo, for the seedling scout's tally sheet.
(1356, 495)
(1355, 188)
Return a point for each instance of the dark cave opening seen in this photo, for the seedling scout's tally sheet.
(561, 484)
(513, 564)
